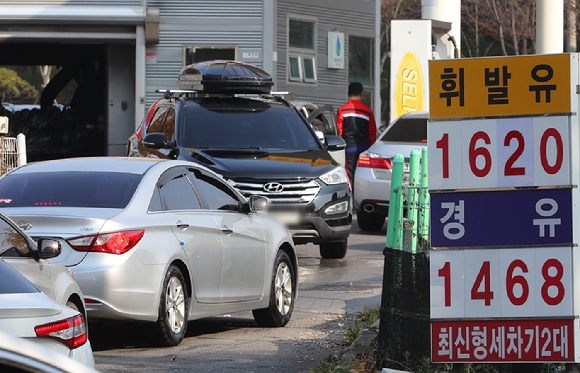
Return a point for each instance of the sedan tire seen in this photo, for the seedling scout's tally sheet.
(370, 222)
(173, 309)
(333, 250)
(282, 294)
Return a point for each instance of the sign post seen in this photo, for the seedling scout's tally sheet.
(504, 164)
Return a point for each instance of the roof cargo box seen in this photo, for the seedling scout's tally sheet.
(224, 76)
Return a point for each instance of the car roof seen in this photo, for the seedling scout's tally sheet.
(415, 114)
(135, 165)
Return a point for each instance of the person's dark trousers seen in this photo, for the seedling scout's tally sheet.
(351, 161)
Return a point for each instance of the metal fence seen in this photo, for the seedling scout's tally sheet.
(12, 153)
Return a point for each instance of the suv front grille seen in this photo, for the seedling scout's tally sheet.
(292, 192)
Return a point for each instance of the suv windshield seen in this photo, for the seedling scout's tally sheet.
(238, 123)
(407, 130)
(69, 189)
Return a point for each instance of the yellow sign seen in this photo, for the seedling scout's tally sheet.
(490, 86)
(409, 85)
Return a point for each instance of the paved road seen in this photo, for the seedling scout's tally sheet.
(330, 293)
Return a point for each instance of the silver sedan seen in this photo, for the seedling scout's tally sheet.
(157, 241)
(372, 178)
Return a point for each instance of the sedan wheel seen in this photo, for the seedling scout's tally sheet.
(173, 309)
(282, 294)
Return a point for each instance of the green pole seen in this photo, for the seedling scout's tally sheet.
(396, 203)
(413, 199)
(424, 198)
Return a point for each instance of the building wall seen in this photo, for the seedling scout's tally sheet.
(74, 2)
(201, 23)
(350, 17)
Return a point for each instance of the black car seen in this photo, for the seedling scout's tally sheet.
(226, 119)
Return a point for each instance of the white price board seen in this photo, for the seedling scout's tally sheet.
(501, 283)
(496, 153)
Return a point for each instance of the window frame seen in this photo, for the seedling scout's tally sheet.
(187, 48)
(302, 54)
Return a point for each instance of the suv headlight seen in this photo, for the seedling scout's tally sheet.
(336, 176)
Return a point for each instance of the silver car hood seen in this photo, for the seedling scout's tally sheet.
(61, 223)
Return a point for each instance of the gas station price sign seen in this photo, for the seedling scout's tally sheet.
(504, 169)
(500, 86)
(502, 218)
(496, 153)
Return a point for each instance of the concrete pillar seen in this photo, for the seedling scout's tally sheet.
(447, 11)
(549, 26)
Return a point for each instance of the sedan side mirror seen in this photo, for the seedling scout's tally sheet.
(49, 248)
(258, 203)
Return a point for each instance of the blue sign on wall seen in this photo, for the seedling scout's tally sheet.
(501, 218)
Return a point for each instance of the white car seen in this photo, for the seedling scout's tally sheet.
(28, 313)
(157, 241)
(372, 179)
(20, 355)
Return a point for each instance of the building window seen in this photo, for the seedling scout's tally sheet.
(302, 51)
(360, 65)
(192, 54)
(360, 60)
(295, 67)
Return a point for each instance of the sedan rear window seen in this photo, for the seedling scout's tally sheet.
(407, 130)
(68, 189)
(13, 282)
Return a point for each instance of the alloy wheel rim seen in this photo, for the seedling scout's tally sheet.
(283, 289)
(175, 305)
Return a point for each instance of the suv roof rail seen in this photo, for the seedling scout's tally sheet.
(170, 93)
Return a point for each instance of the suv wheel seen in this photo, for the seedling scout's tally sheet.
(370, 222)
(333, 250)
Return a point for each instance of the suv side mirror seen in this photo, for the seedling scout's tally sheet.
(156, 141)
(335, 142)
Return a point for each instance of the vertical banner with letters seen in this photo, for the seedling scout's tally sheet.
(503, 154)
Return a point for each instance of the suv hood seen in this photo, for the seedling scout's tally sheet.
(263, 163)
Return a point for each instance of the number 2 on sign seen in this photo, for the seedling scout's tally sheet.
(516, 285)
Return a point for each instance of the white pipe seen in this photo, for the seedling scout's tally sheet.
(21, 149)
(140, 71)
(549, 26)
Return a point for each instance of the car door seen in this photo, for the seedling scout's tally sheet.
(197, 232)
(242, 238)
(322, 119)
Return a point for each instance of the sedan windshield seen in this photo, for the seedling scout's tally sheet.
(68, 189)
(236, 125)
(407, 130)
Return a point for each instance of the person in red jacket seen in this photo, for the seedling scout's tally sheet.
(356, 124)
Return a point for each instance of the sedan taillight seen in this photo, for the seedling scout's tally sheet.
(72, 331)
(374, 162)
(110, 243)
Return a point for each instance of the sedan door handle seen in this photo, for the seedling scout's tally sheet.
(181, 225)
(227, 231)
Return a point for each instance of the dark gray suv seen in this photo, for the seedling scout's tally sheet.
(225, 118)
